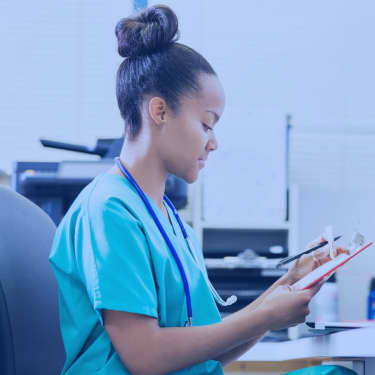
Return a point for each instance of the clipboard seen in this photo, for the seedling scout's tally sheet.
(327, 269)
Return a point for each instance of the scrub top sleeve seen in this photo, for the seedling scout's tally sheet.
(114, 260)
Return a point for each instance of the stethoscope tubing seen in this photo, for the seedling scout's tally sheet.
(145, 200)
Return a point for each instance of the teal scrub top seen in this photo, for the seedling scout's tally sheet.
(108, 254)
(323, 370)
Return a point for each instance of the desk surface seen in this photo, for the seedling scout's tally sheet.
(355, 343)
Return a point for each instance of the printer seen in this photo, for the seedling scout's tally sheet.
(53, 186)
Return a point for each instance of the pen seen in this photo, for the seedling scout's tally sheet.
(293, 257)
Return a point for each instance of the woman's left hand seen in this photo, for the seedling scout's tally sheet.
(309, 262)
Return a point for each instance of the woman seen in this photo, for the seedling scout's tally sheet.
(125, 302)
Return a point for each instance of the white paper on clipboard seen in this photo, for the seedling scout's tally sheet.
(327, 269)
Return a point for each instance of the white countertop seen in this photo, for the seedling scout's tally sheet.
(355, 343)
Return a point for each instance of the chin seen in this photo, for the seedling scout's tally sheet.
(189, 174)
(189, 177)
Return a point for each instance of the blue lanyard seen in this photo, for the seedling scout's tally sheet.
(164, 234)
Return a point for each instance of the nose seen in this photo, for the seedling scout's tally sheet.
(212, 144)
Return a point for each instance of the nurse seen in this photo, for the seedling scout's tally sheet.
(133, 289)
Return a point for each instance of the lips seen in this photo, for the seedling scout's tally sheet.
(201, 162)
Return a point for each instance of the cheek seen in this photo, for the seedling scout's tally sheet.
(185, 147)
(193, 141)
(184, 137)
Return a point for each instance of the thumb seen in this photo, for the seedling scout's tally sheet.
(315, 289)
(306, 294)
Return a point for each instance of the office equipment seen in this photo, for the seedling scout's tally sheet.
(234, 269)
(54, 186)
(30, 289)
(371, 301)
(330, 327)
(308, 251)
(327, 269)
(104, 147)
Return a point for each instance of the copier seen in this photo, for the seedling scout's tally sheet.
(53, 186)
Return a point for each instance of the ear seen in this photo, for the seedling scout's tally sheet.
(157, 109)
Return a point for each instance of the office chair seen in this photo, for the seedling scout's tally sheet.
(30, 328)
(7, 365)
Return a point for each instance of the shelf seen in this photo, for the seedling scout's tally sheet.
(249, 225)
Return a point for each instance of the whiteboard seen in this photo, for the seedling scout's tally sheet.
(245, 178)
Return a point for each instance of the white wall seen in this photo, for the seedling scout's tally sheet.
(57, 75)
(313, 59)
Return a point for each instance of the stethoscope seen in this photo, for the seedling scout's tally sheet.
(230, 300)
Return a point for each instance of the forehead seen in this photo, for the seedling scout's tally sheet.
(211, 95)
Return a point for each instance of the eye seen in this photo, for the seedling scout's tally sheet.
(206, 128)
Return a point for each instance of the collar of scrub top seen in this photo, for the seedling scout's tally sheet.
(145, 200)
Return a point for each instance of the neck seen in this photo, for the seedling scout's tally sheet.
(146, 169)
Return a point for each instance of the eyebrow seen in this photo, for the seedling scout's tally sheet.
(217, 117)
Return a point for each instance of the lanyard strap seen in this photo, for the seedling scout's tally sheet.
(163, 233)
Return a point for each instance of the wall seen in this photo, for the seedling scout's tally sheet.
(58, 68)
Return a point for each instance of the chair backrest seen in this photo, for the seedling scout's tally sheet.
(7, 365)
(30, 289)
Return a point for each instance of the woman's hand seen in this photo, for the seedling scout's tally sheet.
(286, 307)
(309, 262)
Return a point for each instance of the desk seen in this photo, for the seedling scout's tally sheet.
(357, 345)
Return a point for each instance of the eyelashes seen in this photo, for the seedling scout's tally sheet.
(207, 128)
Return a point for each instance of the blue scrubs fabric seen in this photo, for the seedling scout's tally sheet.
(109, 254)
(323, 370)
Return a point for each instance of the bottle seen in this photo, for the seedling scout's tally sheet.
(324, 307)
(371, 301)
(326, 303)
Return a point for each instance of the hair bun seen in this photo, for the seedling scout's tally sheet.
(151, 30)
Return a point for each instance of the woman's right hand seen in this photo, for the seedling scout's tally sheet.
(286, 306)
